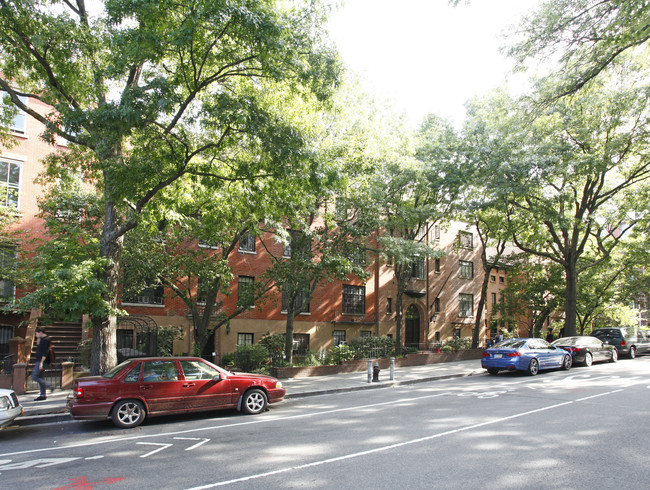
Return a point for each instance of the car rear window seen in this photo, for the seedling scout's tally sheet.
(511, 344)
(607, 334)
(111, 374)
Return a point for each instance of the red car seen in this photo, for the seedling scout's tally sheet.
(145, 387)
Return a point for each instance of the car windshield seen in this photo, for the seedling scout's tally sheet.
(110, 374)
(510, 344)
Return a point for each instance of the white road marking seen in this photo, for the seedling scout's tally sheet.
(203, 441)
(260, 420)
(379, 449)
(164, 446)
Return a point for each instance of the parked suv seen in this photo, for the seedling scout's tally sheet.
(629, 341)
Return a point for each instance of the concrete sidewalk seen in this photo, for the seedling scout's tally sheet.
(54, 408)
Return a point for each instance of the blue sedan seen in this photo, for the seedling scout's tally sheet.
(529, 355)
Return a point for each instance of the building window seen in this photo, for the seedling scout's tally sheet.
(436, 265)
(417, 268)
(494, 298)
(245, 291)
(301, 303)
(466, 239)
(247, 243)
(465, 305)
(244, 339)
(202, 291)
(9, 182)
(436, 232)
(389, 305)
(493, 279)
(502, 279)
(354, 300)
(436, 305)
(339, 337)
(20, 119)
(300, 343)
(421, 234)
(456, 333)
(152, 294)
(366, 333)
(466, 269)
(8, 262)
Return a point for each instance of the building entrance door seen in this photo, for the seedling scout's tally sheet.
(412, 327)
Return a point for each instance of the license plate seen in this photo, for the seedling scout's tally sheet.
(498, 356)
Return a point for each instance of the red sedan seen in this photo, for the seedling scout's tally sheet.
(145, 387)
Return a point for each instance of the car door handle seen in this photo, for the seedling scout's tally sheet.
(145, 387)
(188, 385)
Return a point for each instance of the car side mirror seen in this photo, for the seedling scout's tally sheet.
(218, 377)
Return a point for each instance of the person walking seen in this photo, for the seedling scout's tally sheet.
(42, 352)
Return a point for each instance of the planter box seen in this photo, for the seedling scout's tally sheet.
(362, 365)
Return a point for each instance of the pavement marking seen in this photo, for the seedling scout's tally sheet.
(392, 446)
(164, 446)
(261, 420)
(203, 441)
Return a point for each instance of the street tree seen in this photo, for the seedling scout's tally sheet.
(582, 40)
(566, 174)
(147, 93)
(413, 188)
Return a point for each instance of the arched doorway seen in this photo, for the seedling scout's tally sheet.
(137, 336)
(412, 327)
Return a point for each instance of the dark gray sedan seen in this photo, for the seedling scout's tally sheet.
(587, 350)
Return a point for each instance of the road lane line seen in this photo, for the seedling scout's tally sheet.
(279, 418)
(597, 396)
(379, 449)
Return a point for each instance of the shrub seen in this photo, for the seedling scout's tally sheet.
(251, 357)
(459, 344)
(339, 354)
(446, 348)
(372, 347)
(275, 346)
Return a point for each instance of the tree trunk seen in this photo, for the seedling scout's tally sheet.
(104, 345)
(481, 307)
(288, 341)
(571, 297)
(399, 313)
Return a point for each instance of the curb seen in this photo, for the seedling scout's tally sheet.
(64, 416)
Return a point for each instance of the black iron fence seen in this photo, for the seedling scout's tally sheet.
(8, 364)
(51, 374)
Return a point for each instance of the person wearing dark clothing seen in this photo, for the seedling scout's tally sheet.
(549, 336)
(42, 352)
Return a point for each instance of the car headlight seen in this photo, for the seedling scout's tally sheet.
(278, 384)
(5, 403)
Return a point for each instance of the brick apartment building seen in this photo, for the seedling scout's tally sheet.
(440, 301)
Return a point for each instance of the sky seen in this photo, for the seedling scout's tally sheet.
(424, 55)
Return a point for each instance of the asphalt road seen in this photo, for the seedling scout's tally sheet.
(583, 428)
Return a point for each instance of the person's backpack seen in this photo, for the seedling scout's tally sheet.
(51, 357)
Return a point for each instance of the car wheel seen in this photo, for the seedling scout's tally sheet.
(533, 367)
(589, 359)
(566, 362)
(128, 413)
(614, 356)
(254, 402)
(632, 352)
(493, 371)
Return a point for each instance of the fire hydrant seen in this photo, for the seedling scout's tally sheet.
(375, 372)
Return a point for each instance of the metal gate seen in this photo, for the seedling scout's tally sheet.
(137, 336)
